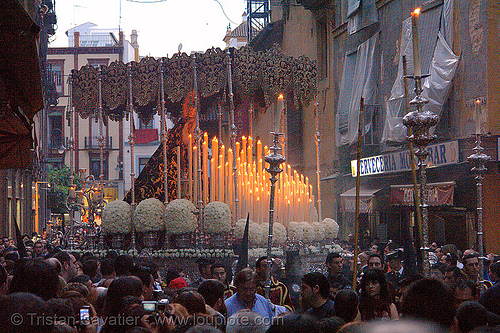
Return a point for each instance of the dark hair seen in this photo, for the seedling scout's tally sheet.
(25, 306)
(90, 266)
(243, 276)
(375, 255)
(63, 257)
(107, 266)
(429, 299)
(369, 307)
(439, 266)
(3, 275)
(346, 304)
(13, 256)
(78, 287)
(118, 289)
(331, 325)
(143, 273)
(170, 275)
(495, 268)
(297, 323)
(203, 329)
(192, 301)
(471, 315)
(212, 290)
(317, 279)
(259, 261)
(331, 256)
(469, 256)
(111, 254)
(81, 279)
(35, 276)
(123, 264)
(153, 267)
(374, 275)
(474, 287)
(77, 255)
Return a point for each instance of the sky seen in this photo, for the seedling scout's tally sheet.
(161, 27)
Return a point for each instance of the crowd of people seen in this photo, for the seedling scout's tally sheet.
(53, 290)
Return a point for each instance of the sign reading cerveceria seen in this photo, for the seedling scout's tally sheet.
(443, 153)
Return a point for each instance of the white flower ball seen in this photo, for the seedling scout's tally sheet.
(180, 217)
(239, 228)
(319, 230)
(309, 235)
(279, 233)
(256, 234)
(217, 218)
(331, 228)
(117, 217)
(149, 215)
(295, 231)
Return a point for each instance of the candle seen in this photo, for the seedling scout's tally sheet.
(205, 168)
(477, 107)
(178, 172)
(230, 179)
(215, 157)
(417, 70)
(280, 105)
(195, 163)
(212, 180)
(222, 179)
(250, 151)
(190, 167)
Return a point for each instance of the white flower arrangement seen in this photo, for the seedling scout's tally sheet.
(256, 234)
(295, 231)
(320, 231)
(309, 234)
(260, 252)
(239, 228)
(149, 215)
(193, 253)
(331, 228)
(117, 217)
(333, 248)
(180, 217)
(217, 218)
(279, 233)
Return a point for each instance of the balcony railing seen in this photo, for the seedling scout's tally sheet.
(92, 142)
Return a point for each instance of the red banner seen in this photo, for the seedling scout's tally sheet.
(439, 194)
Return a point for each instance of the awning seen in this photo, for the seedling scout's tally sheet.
(348, 200)
(439, 194)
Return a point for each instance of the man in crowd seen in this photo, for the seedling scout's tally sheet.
(397, 272)
(278, 293)
(212, 291)
(69, 267)
(315, 293)
(38, 249)
(375, 261)
(219, 272)
(335, 277)
(246, 296)
(204, 268)
(470, 260)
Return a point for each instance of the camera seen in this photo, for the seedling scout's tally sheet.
(85, 315)
(149, 306)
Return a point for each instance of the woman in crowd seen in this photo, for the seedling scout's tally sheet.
(375, 302)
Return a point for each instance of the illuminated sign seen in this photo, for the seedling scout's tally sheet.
(440, 154)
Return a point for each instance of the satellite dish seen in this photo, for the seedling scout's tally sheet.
(179, 48)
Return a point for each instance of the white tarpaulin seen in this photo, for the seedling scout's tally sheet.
(358, 80)
(436, 86)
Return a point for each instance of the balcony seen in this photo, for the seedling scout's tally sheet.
(92, 142)
(145, 136)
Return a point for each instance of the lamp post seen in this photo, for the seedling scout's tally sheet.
(275, 159)
(420, 121)
(478, 161)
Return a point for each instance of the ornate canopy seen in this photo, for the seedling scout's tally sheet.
(269, 72)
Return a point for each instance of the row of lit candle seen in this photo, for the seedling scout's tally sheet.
(294, 200)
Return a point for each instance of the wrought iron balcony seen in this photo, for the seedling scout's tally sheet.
(92, 142)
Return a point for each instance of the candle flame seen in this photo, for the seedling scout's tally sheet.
(478, 101)
(280, 96)
(417, 11)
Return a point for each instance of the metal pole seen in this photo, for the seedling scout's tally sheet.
(250, 119)
(275, 159)
(478, 160)
(358, 185)
(420, 121)
(234, 133)
(101, 139)
(131, 141)
(282, 126)
(164, 132)
(318, 161)
(197, 133)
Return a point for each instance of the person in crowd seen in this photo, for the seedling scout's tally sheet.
(107, 271)
(470, 315)
(38, 249)
(437, 271)
(246, 296)
(452, 275)
(335, 277)
(144, 274)
(375, 261)
(16, 310)
(494, 272)
(315, 292)
(246, 321)
(297, 323)
(470, 261)
(212, 291)
(375, 301)
(69, 267)
(35, 276)
(124, 264)
(331, 325)
(363, 261)
(490, 298)
(346, 305)
(85, 280)
(278, 293)
(3, 281)
(219, 272)
(397, 271)
(91, 267)
(466, 290)
(192, 301)
(118, 289)
(204, 266)
(429, 300)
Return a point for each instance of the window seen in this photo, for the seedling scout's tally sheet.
(322, 45)
(56, 72)
(95, 167)
(98, 62)
(143, 161)
(55, 131)
(149, 125)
